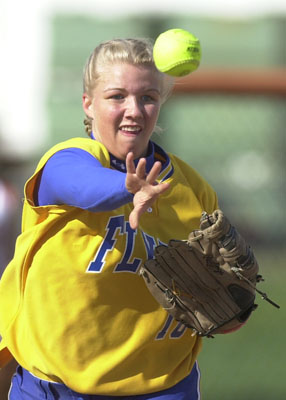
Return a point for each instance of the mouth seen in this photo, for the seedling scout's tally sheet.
(132, 130)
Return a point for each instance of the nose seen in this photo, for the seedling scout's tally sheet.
(134, 108)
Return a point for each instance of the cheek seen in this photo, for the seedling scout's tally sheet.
(105, 116)
(152, 112)
(114, 113)
(111, 114)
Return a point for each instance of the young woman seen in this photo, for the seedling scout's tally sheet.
(75, 313)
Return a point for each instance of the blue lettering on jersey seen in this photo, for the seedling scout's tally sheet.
(150, 244)
(117, 225)
(108, 243)
(124, 265)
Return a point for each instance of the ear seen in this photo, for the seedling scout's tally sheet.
(86, 104)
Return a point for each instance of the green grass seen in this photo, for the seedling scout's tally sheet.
(250, 364)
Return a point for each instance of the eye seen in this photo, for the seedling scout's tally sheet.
(147, 98)
(116, 96)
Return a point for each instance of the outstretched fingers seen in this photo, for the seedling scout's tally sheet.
(143, 185)
(154, 173)
(141, 169)
(130, 167)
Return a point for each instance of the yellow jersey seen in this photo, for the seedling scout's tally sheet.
(74, 308)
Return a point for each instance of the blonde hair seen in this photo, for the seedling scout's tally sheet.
(129, 51)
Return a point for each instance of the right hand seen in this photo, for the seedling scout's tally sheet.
(144, 187)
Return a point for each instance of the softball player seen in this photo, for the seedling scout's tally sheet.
(75, 312)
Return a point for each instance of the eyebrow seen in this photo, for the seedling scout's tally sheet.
(122, 89)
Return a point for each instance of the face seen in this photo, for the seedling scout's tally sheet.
(124, 108)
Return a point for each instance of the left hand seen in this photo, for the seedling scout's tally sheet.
(143, 186)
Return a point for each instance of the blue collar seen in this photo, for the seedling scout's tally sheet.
(121, 166)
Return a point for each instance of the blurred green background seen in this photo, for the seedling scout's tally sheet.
(237, 142)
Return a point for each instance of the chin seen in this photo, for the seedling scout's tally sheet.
(136, 153)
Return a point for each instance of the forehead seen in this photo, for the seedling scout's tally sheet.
(123, 75)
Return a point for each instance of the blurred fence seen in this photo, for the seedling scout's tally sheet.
(238, 144)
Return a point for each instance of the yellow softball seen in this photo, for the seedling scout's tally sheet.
(177, 52)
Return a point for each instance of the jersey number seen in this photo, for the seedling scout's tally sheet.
(175, 334)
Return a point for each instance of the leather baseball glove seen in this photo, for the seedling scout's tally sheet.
(207, 282)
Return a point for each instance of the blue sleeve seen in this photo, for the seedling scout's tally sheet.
(74, 177)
